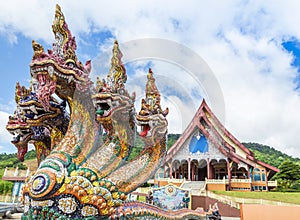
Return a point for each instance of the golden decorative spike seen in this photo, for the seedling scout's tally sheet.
(59, 18)
(65, 44)
(18, 92)
(21, 92)
(152, 102)
(152, 93)
(117, 72)
(151, 88)
(99, 84)
(24, 91)
(37, 49)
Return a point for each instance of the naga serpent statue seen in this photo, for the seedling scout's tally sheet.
(87, 174)
(32, 124)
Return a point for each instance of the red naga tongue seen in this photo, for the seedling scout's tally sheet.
(22, 150)
(45, 90)
(145, 130)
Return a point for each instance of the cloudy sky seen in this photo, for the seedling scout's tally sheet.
(243, 57)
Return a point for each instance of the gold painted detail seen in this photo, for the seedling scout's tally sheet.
(88, 210)
(21, 92)
(42, 203)
(38, 49)
(117, 72)
(56, 136)
(67, 205)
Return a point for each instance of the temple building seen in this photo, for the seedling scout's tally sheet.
(209, 154)
(17, 176)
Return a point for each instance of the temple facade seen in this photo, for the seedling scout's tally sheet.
(208, 153)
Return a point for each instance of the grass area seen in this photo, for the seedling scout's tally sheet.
(288, 197)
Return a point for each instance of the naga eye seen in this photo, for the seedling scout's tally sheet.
(71, 65)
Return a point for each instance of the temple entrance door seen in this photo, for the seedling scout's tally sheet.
(202, 170)
(202, 173)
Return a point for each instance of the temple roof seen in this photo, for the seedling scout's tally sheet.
(210, 126)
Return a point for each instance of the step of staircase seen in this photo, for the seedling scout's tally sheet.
(195, 187)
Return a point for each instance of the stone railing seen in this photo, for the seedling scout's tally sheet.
(176, 180)
(241, 180)
(10, 199)
(171, 180)
(272, 183)
(215, 181)
(224, 199)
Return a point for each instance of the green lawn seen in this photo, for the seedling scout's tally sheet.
(288, 197)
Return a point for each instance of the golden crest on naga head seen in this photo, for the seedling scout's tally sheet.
(21, 92)
(37, 49)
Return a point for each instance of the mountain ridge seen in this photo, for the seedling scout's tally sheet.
(264, 153)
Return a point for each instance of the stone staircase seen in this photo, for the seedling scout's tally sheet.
(195, 187)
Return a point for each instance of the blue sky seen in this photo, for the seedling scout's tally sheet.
(252, 49)
(293, 46)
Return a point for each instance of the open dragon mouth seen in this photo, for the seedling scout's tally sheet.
(153, 127)
(103, 108)
(144, 122)
(48, 73)
(20, 135)
(34, 112)
(47, 84)
(51, 68)
(145, 129)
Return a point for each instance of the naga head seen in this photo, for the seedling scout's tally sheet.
(112, 101)
(59, 70)
(31, 123)
(151, 117)
(55, 117)
(18, 126)
(21, 134)
(47, 126)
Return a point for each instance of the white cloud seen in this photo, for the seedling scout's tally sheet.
(4, 134)
(240, 41)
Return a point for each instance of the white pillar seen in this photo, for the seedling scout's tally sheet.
(189, 169)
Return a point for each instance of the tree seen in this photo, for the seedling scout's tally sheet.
(289, 171)
(1, 187)
(288, 177)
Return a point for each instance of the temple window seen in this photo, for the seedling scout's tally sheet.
(198, 144)
(259, 175)
(220, 173)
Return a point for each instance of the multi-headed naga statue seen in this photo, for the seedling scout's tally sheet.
(87, 175)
